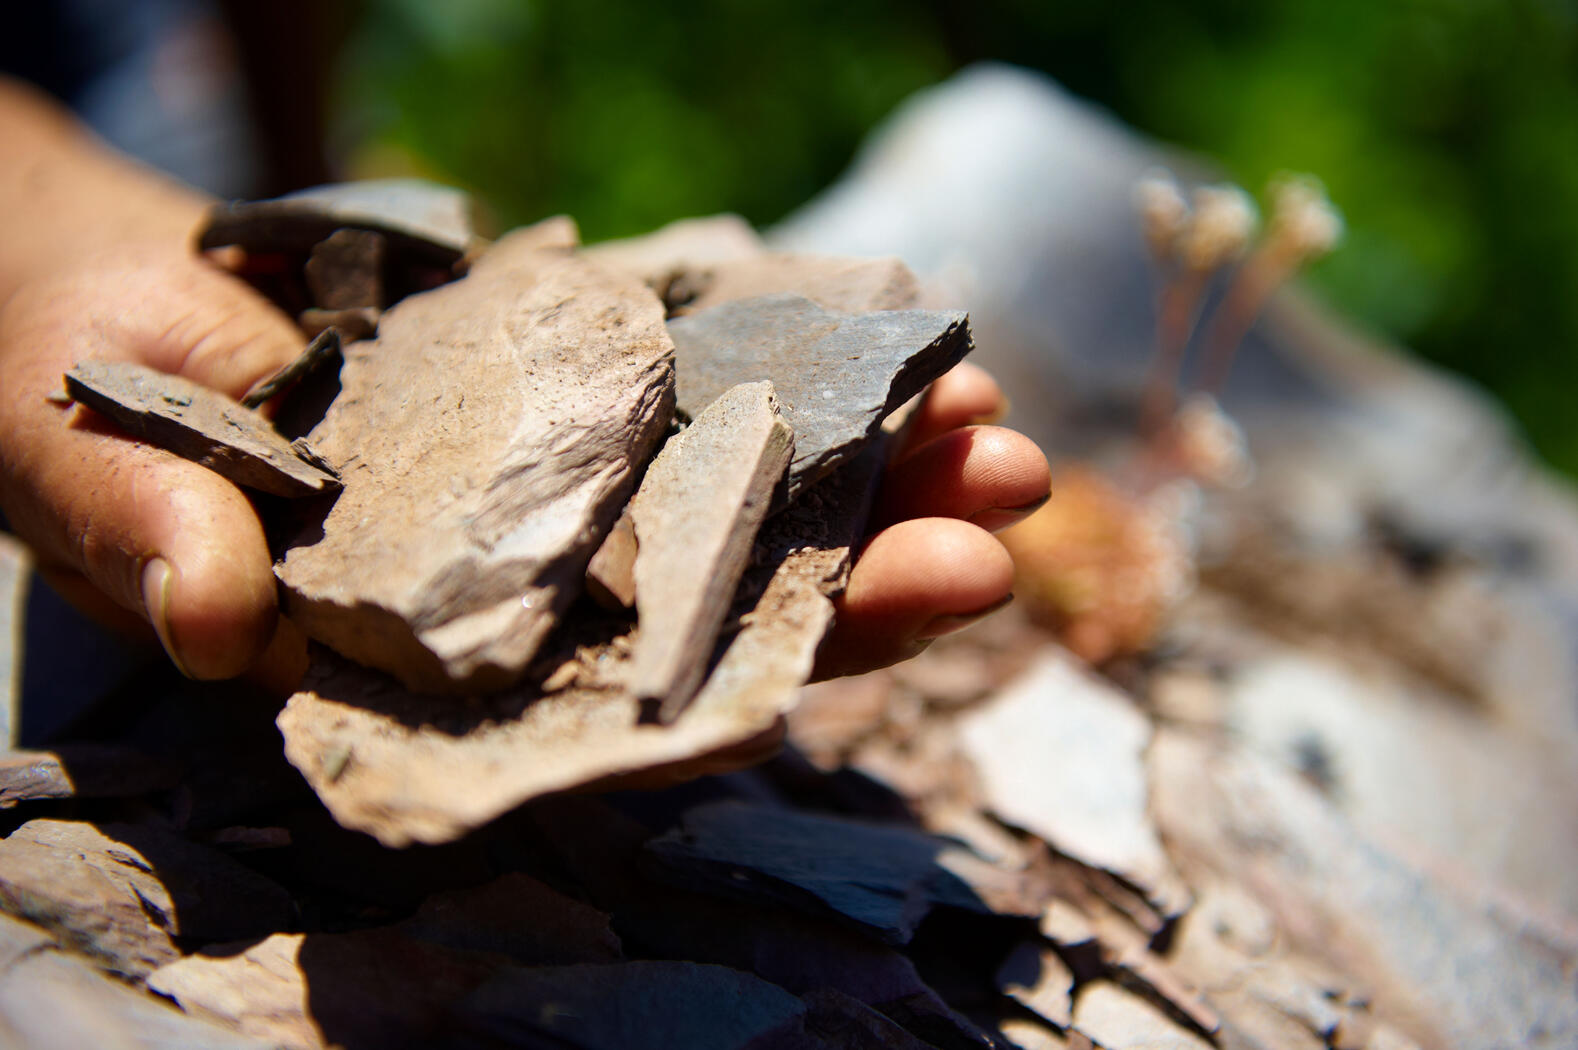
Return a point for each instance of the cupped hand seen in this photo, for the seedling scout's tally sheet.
(126, 530)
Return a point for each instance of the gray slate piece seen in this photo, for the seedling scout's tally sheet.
(423, 221)
(199, 424)
(486, 440)
(884, 877)
(695, 519)
(633, 1004)
(121, 893)
(837, 375)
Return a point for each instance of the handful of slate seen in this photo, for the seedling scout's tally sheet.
(697, 413)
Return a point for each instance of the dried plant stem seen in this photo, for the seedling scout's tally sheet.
(1266, 271)
(1176, 313)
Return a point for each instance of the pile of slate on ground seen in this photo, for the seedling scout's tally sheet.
(573, 520)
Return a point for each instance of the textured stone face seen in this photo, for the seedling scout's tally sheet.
(837, 375)
(408, 768)
(843, 285)
(198, 424)
(487, 439)
(695, 519)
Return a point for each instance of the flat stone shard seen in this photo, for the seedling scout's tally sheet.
(1035, 977)
(1062, 755)
(487, 438)
(51, 999)
(198, 424)
(421, 219)
(346, 270)
(407, 768)
(695, 519)
(120, 893)
(654, 1003)
(81, 771)
(324, 346)
(842, 285)
(836, 376)
(1120, 1020)
(611, 574)
(884, 877)
(369, 988)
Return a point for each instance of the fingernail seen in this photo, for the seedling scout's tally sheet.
(957, 622)
(157, 581)
(995, 518)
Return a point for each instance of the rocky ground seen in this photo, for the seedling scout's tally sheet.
(1328, 804)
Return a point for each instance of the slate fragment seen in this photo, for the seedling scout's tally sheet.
(519, 917)
(486, 439)
(634, 1004)
(885, 878)
(50, 999)
(1062, 755)
(600, 846)
(611, 574)
(422, 220)
(345, 270)
(359, 323)
(837, 376)
(82, 771)
(1035, 977)
(16, 570)
(841, 1022)
(323, 347)
(837, 283)
(695, 519)
(1119, 1020)
(120, 893)
(406, 768)
(366, 990)
(199, 424)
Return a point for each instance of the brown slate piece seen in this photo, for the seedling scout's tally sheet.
(680, 248)
(81, 771)
(345, 270)
(319, 351)
(51, 999)
(352, 325)
(422, 220)
(842, 285)
(120, 893)
(198, 424)
(611, 574)
(1062, 755)
(368, 989)
(1119, 1020)
(695, 519)
(837, 376)
(485, 439)
(1036, 978)
(406, 768)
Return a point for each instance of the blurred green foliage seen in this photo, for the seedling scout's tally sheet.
(1446, 130)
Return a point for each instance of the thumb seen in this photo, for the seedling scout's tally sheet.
(160, 536)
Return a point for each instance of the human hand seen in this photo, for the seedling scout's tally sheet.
(127, 531)
(932, 566)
